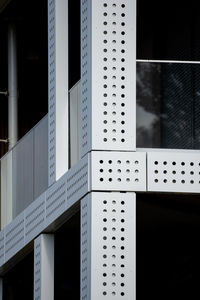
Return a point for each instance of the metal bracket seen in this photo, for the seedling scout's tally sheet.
(4, 93)
(4, 141)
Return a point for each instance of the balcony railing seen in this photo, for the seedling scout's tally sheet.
(24, 172)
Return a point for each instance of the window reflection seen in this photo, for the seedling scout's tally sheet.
(168, 105)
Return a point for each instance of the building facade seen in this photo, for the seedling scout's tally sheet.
(99, 149)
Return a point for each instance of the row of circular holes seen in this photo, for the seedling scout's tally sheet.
(118, 170)
(174, 181)
(114, 68)
(119, 161)
(174, 163)
(174, 172)
(118, 179)
(113, 247)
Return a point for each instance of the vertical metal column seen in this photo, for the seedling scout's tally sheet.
(12, 87)
(108, 123)
(44, 267)
(108, 75)
(108, 238)
(1, 288)
(58, 139)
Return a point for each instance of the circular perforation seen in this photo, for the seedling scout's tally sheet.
(114, 88)
(119, 171)
(173, 172)
(113, 265)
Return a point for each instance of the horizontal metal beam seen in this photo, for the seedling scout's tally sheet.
(155, 171)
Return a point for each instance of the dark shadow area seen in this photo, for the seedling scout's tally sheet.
(18, 282)
(30, 19)
(74, 42)
(168, 249)
(168, 30)
(67, 260)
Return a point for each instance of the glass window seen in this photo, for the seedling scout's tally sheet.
(168, 30)
(168, 105)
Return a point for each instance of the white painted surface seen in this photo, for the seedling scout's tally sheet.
(108, 244)
(44, 267)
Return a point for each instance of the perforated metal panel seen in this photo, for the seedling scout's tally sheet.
(111, 255)
(6, 189)
(44, 267)
(55, 200)
(1, 247)
(174, 171)
(37, 269)
(77, 181)
(85, 247)
(58, 88)
(108, 75)
(14, 236)
(118, 171)
(85, 94)
(35, 218)
(52, 91)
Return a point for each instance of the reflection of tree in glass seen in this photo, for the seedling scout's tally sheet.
(168, 105)
(148, 105)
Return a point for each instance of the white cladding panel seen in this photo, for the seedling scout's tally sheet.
(109, 246)
(35, 218)
(1, 247)
(44, 267)
(118, 171)
(55, 200)
(108, 82)
(6, 189)
(174, 171)
(58, 88)
(14, 236)
(74, 97)
(52, 92)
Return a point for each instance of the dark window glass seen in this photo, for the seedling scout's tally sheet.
(168, 30)
(18, 282)
(67, 260)
(168, 258)
(74, 42)
(168, 105)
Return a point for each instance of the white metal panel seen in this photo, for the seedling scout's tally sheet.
(1, 288)
(108, 246)
(85, 268)
(108, 94)
(62, 136)
(23, 174)
(85, 92)
(56, 197)
(52, 91)
(14, 236)
(37, 269)
(35, 218)
(75, 124)
(58, 88)
(77, 181)
(118, 171)
(6, 189)
(41, 157)
(174, 171)
(44, 267)
(1, 248)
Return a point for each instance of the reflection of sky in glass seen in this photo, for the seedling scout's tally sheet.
(168, 105)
